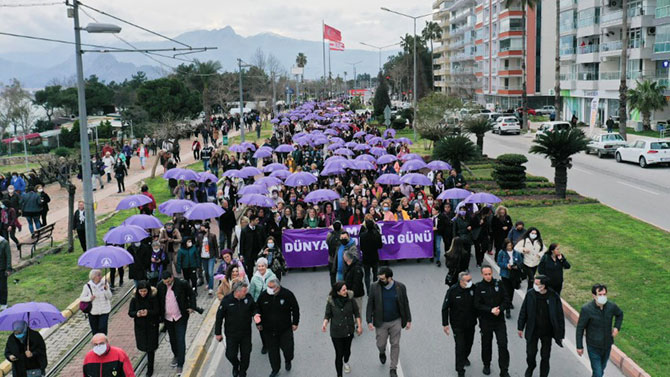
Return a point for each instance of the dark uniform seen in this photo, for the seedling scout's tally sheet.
(238, 315)
(489, 295)
(459, 308)
(279, 313)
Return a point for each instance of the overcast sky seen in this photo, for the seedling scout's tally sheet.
(359, 20)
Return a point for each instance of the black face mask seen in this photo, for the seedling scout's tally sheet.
(344, 241)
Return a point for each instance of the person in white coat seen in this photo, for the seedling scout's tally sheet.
(533, 248)
(108, 160)
(97, 292)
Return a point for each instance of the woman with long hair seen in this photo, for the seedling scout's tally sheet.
(510, 262)
(344, 317)
(501, 224)
(144, 310)
(533, 248)
(457, 259)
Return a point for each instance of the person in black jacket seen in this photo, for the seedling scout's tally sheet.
(353, 277)
(44, 199)
(237, 309)
(142, 260)
(541, 316)
(333, 242)
(370, 240)
(226, 224)
(79, 221)
(120, 172)
(170, 290)
(501, 224)
(252, 241)
(26, 350)
(145, 313)
(459, 308)
(491, 302)
(552, 265)
(280, 316)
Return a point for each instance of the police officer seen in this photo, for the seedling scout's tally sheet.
(280, 313)
(237, 308)
(459, 307)
(491, 303)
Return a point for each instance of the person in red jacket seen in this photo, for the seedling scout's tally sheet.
(149, 208)
(105, 360)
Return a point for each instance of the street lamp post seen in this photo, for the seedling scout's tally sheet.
(240, 65)
(355, 77)
(83, 123)
(414, 18)
(380, 48)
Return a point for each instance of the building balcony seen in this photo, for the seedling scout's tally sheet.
(615, 18)
(567, 53)
(567, 4)
(610, 48)
(588, 54)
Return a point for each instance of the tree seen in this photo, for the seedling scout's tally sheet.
(99, 97)
(430, 116)
(648, 96)
(17, 108)
(478, 126)
(509, 172)
(558, 147)
(49, 99)
(432, 32)
(165, 96)
(381, 99)
(623, 88)
(199, 76)
(455, 149)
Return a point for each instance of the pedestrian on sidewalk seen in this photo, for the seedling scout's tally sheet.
(237, 310)
(542, 318)
(458, 309)
(149, 208)
(145, 312)
(552, 265)
(31, 207)
(510, 262)
(345, 318)
(26, 351)
(79, 220)
(5, 271)
(143, 154)
(13, 199)
(280, 315)
(45, 199)
(108, 161)
(97, 292)
(226, 224)
(387, 313)
(97, 169)
(128, 152)
(195, 147)
(610, 124)
(188, 261)
(176, 300)
(120, 172)
(596, 319)
(205, 155)
(9, 222)
(170, 239)
(17, 183)
(491, 301)
(105, 360)
(176, 151)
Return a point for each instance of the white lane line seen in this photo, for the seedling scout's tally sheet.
(582, 170)
(639, 188)
(388, 352)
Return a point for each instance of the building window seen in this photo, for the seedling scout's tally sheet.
(568, 21)
(662, 8)
(662, 43)
(568, 44)
(589, 17)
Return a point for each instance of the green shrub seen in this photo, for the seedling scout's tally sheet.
(38, 149)
(509, 172)
(399, 123)
(62, 151)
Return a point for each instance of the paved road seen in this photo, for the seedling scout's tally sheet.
(424, 350)
(642, 193)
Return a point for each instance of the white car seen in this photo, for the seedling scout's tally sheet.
(645, 152)
(507, 125)
(545, 110)
(605, 144)
(547, 127)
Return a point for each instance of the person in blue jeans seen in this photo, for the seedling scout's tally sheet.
(596, 319)
(31, 207)
(209, 249)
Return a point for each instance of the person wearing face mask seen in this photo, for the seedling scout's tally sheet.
(208, 247)
(159, 263)
(275, 258)
(170, 239)
(345, 318)
(145, 312)
(141, 252)
(106, 360)
(97, 170)
(346, 245)
(26, 351)
(45, 199)
(463, 229)
(188, 261)
(97, 292)
(386, 210)
(552, 264)
(13, 199)
(280, 316)
(541, 316)
(533, 248)
(333, 242)
(458, 309)
(595, 318)
(258, 284)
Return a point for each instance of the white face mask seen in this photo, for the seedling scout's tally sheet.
(271, 245)
(39, 190)
(137, 244)
(197, 226)
(537, 288)
(602, 300)
(468, 284)
(533, 236)
(100, 349)
(188, 244)
(270, 291)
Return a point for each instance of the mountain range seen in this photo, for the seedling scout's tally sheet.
(35, 69)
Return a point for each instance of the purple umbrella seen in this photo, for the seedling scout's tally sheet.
(106, 257)
(143, 221)
(390, 133)
(334, 158)
(39, 315)
(438, 165)
(411, 156)
(205, 176)
(387, 159)
(269, 181)
(263, 153)
(416, 179)
(257, 200)
(332, 170)
(274, 121)
(248, 145)
(232, 173)
(375, 140)
(413, 165)
(339, 164)
(320, 141)
(482, 197)
(376, 151)
(281, 174)
(359, 134)
(333, 146)
(330, 132)
(173, 206)
(204, 211)
(284, 148)
(366, 157)
(181, 174)
(344, 152)
(362, 165)
(337, 140)
(237, 148)
(350, 144)
(323, 195)
(388, 179)
(405, 140)
(123, 234)
(361, 147)
(368, 137)
(300, 179)
(133, 201)
(274, 167)
(253, 189)
(249, 171)
(454, 193)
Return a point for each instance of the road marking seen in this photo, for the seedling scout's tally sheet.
(388, 352)
(582, 170)
(638, 188)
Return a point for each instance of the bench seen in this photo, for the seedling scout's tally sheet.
(42, 234)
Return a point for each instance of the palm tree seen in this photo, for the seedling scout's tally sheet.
(557, 62)
(455, 149)
(431, 32)
(198, 76)
(479, 127)
(623, 89)
(558, 147)
(524, 97)
(647, 97)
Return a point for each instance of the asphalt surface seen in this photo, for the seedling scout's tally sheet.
(642, 193)
(424, 350)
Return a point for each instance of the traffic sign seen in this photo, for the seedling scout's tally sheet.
(387, 115)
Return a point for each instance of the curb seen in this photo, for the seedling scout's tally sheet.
(198, 347)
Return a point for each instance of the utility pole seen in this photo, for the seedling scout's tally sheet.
(274, 95)
(239, 65)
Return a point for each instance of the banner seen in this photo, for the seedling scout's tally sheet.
(331, 34)
(336, 46)
(402, 240)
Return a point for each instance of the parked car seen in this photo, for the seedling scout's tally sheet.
(545, 110)
(605, 144)
(491, 117)
(530, 111)
(645, 152)
(507, 125)
(547, 127)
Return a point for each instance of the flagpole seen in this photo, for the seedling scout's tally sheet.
(323, 42)
(330, 81)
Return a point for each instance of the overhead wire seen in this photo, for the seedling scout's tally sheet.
(27, 5)
(54, 40)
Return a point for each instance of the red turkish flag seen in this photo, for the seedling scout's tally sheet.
(331, 34)
(336, 46)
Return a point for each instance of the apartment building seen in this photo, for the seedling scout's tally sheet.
(454, 59)
(499, 49)
(591, 34)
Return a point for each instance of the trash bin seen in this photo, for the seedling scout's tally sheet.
(639, 127)
(225, 140)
